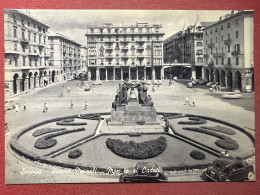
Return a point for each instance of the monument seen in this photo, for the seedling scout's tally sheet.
(127, 109)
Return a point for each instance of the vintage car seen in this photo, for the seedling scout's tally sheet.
(229, 169)
(143, 172)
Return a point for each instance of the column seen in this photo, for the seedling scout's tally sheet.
(137, 73)
(97, 75)
(114, 74)
(106, 73)
(36, 81)
(89, 75)
(26, 84)
(32, 82)
(234, 83)
(121, 74)
(202, 73)
(193, 72)
(153, 73)
(129, 78)
(18, 85)
(144, 73)
(162, 73)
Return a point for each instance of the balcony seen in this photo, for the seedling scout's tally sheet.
(236, 53)
(140, 41)
(109, 57)
(24, 41)
(210, 45)
(26, 67)
(33, 53)
(140, 48)
(140, 57)
(124, 48)
(218, 55)
(92, 41)
(109, 40)
(227, 41)
(9, 51)
(125, 56)
(41, 45)
(125, 41)
(109, 48)
(206, 55)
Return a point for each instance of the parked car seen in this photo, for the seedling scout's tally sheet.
(143, 172)
(229, 169)
(232, 95)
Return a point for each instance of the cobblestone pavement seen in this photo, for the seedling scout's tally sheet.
(166, 99)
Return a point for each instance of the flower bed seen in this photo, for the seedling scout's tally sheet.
(133, 150)
(224, 142)
(193, 121)
(43, 131)
(47, 141)
(198, 155)
(220, 129)
(75, 153)
(70, 123)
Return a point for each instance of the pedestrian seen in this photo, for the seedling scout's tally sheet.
(68, 89)
(71, 104)
(193, 102)
(153, 89)
(187, 101)
(61, 92)
(16, 108)
(86, 105)
(24, 107)
(44, 107)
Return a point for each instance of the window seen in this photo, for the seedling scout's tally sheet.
(30, 61)
(222, 61)
(206, 42)
(200, 60)
(228, 48)
(237, 60)
(29, 36)
(24, 58)
(229, 61)
(221, 28)
(210, 31)
(216, 29)
(210, 50)
(101, 38)
(228, 36)
(206, 33)
(228, 25)
(216, 39)
(15, 31)
(237, 47)
(236, 21)
(157, 38)
(216, 50)
(22, 22)
(216, 61)
(34, 37)
(148, 38)
(44, 39)
(15, 61)
(199, 44)
(15, 46)
(222, 50)
(43, 30)
(23, 48)
(221, 37)
(52, 48)
(236, 34)
(40, 38)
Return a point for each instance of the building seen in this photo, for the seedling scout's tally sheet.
(26, 53)
(65, 56)
(229, 59)
(183, 51)
(84, 62)
(133, 52)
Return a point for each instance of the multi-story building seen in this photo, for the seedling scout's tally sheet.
(65, 56)
(229, 59)
(84, 62)
(26, 53)
(184, 52)
(131, 52)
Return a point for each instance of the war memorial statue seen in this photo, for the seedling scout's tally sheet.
(129, 109)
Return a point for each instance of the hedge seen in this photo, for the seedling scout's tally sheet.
(75, 153)
(47, 141)
(133, 150)
(220, 129)
(198, 155)
(43, 131)
(193, 121)
(70, 123)
(224, 142)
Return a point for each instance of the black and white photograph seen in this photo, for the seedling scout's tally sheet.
(127, 96)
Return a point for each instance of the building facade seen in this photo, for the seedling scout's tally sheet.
(133, 52)
(229, 52)
(26, 53)
(65, 56)
(184, 52)
(84, 62)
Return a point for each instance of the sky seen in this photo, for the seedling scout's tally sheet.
(73, 23)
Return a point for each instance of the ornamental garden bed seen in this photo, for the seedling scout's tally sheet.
(246, 146)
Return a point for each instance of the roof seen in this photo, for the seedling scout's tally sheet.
(229, 17)
(52, 34)
(25, 14)
(228, 160)
(206, 24)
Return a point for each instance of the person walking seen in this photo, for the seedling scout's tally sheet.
(193, 102)
(71, 104)
(24, 107)
(86, 105)
(16, 108)
(153, 89)
(68, 89)
(44, 107)
(187, 101)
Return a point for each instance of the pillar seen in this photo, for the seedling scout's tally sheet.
(144, 73)
(18, 85)
(193, 72)
(114, 74)
(153, 73)
(26, 84)
(36, 81)
(202, 73)
(106, 73)
(121, 74)
(162, 73)
(89, 75)
(234, 82)
(97, 74)
(32, 82)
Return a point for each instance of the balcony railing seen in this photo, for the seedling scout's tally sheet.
(125, 40)
(227, 41)
(41, 45)
(236, 53)
(140, 48)
(24, 41)
(217, 55)
(210, 45)
(140, 56)
(109, 40)
(125, 48)
(140, 40)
